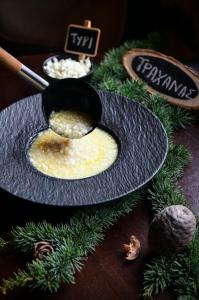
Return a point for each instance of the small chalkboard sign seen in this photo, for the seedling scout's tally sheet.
(82, 40)
(165, 75)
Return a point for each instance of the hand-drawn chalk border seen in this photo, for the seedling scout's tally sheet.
(127, 62)
(85, 28)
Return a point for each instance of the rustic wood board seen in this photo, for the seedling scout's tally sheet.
(178, 83)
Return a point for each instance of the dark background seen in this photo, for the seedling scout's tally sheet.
(177, 20)
(34, 26)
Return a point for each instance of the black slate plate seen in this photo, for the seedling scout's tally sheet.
(143, 149)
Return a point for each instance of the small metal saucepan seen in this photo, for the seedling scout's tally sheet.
(65, 94)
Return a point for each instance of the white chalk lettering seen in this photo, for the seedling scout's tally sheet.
(90, 43)
(79, 40)
(152, 73)
(157, 77)
(74, 35)
(175, 85)
(147, 66)
(188, 95)
(85, 40)
(182, 92)
(160, 76)
(143, 60)
(166, 82)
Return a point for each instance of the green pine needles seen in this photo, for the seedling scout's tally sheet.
(85, 230)
(71, 242)
(2, 244)
(179, 272)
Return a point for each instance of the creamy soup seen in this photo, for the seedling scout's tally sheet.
(64, 158)
(71, 124)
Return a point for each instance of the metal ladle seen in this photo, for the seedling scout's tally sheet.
(65, 94)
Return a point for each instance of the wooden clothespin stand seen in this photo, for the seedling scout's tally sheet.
(82, 40)
(87, 24)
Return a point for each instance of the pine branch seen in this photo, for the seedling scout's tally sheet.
(2, 244)
(177, 159)
(180, 272)
(20, 279)
(72, 242)
(164, 191)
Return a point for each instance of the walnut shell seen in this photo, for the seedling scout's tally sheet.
(172, 229)
(132, 249)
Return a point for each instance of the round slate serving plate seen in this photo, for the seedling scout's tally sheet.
(143, 148)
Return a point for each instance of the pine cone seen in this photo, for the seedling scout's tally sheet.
(41, 249)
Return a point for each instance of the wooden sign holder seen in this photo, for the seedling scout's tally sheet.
(128, 58)
(87, 25)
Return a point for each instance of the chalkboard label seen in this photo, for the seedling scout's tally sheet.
(82, 40)
(163, 74)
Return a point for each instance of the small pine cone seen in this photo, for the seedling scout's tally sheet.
(41, 249)
(132, 249)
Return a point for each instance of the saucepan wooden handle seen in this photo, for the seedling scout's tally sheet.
(17, 67)
(10, 61)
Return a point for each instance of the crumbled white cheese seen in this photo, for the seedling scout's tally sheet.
(71, 124)
(67, 68)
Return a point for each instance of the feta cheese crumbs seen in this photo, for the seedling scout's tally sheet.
(67, 68)
(71, 124)
(59, 157)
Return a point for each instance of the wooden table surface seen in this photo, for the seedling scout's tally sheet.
(105, 275)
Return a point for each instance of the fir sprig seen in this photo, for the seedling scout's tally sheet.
(2, 244)
(163, 191)
(179, 272)
(72, 242)
(166, 272)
